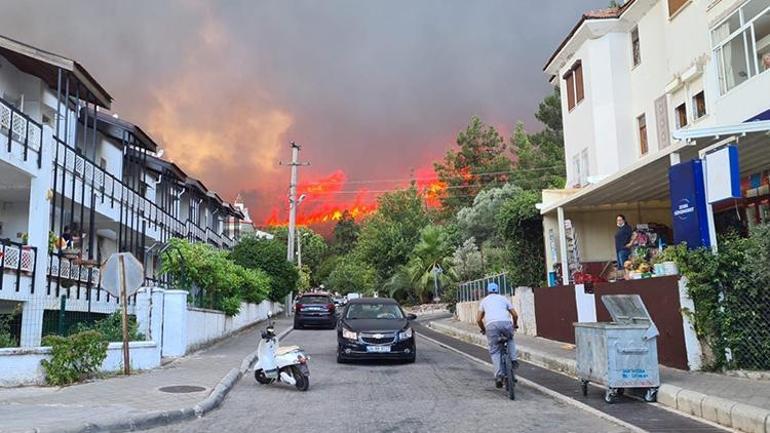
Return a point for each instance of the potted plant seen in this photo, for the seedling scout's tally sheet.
(25, 241)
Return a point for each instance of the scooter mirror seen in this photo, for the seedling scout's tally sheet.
(270, 315)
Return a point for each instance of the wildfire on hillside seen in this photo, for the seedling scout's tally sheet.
(326, 201)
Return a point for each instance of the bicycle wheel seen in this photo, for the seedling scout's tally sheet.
(510, 383)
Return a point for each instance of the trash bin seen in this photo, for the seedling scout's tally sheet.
(622, 354)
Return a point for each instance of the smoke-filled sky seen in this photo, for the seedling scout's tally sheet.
(370, 89)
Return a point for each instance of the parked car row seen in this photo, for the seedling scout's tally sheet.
(367, 328)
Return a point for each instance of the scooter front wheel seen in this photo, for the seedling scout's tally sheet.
(259, 375)
(302, 381)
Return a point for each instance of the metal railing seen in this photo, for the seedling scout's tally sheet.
(211, 235)
(21, 128)
(69, 269)
(195, 231)
(475, 290)
(18, 258)
(228, 242)
(109, 188)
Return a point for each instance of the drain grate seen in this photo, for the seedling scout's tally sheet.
(181, 389)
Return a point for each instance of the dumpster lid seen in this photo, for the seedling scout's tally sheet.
(627, 309)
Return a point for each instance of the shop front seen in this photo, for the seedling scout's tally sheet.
(579, 228)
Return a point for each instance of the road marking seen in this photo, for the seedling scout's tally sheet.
(553, 394)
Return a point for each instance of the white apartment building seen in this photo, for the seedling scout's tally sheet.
(645, 86)
(78, 184)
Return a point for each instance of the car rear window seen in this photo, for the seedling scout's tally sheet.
(374, 311)
(315, 300)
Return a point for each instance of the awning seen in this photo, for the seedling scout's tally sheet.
(646, 180)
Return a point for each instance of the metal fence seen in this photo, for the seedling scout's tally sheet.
(745, 326)
(475, 290)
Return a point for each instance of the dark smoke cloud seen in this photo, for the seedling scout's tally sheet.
(375, 88)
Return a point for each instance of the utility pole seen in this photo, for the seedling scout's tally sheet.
(294, 202)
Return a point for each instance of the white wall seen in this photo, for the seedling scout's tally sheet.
(523, 302)
(205, 326)
(22, 366)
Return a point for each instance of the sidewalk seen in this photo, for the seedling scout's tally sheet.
(122, 402)
(734, 402)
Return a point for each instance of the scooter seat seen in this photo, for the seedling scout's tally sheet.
(286, 349)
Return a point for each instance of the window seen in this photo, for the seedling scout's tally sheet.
(698, 106)
(576, 167)
(636, 48)
(642, 121)
(584, 167)
(681, 116)
(741, 44)
(675, 6)
(574, 83)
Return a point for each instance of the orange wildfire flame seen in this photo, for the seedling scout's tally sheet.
(323, 203)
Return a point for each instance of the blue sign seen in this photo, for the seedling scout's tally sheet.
(688, 204)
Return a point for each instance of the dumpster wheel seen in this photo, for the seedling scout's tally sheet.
(611, 395)
(651, 395)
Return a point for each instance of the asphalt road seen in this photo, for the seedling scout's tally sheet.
(442, 392)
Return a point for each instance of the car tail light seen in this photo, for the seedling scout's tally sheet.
(298, 308)
(330, 307)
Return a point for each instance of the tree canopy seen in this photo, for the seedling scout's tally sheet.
(269, 256)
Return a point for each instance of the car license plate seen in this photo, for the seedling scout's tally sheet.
(378, 349)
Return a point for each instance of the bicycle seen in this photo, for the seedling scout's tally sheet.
(507, 365)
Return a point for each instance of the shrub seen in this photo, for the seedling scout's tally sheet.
(74, 358)
(6, 338)
(111, 328)
(269, 257)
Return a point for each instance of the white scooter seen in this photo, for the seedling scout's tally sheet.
(282, 364)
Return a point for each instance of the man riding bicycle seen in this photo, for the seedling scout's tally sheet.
(494, 319)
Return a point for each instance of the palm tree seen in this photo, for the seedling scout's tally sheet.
(432, 252)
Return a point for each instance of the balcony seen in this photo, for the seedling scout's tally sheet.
(195, 233)
(18, 260)
(213, 237)
(228, 242)
(24, 135)
(110, 191)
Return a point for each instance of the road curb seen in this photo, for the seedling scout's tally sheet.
(150, 420)
(723, 412)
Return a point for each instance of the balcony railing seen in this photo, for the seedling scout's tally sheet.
(70, 269)
(19, 127)
(19, 259)
(213, 236)
(196, 232)
(109, 189)
(228, 242)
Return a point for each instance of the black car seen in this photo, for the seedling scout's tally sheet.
(315, 309)
(375, 328)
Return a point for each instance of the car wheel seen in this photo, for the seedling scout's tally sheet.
(412, 359)
(297, 325)
(340, 359)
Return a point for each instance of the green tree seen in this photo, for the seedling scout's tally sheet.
(479, 221)
(540, 157)
(388, 237)
(269, 256)
(351, 275)
(431, 252)
(521, 228)
(345, 234)
(467, 262)
(219, 282)
(314, 247)
(478, 162)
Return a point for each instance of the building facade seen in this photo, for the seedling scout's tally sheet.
(78, 184)
(646, 85)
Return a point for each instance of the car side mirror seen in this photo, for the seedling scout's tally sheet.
(270, 315)
(411, 316)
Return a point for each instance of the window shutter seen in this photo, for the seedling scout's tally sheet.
(675, 5)
(579, 82)
(570, 90)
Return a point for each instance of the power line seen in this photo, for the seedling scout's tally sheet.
(479, 173)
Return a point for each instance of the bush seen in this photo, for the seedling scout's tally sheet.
(221, 280)
(111, 328)
(6, 338)
(268, 256)
(730, 293)
(74, 358)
